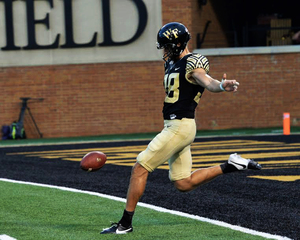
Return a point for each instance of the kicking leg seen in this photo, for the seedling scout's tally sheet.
(202, 176)
(197, 178)
(180, 171)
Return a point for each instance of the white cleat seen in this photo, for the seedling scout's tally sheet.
(242, 163)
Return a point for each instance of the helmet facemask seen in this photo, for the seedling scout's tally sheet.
(172, 50)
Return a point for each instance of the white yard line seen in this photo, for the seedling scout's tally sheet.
(159, 209)
(6, 237)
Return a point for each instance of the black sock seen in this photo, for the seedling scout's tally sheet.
(227, 168)
(126, 220)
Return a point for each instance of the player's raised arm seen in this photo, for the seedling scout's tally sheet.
(211, 84)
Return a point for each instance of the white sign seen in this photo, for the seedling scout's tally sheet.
(48, 32)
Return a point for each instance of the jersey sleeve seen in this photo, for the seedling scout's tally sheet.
(193, 62)
(197, 61)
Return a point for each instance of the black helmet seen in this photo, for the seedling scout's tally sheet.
(170, 35)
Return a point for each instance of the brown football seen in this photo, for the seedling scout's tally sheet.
(93, 161)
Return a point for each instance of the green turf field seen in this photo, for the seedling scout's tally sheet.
(34, 212)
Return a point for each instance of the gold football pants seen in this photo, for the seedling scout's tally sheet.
(172, 144)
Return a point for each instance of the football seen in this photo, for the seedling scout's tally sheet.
(93, 161)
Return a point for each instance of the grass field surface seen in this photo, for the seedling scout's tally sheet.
(45, 195)
(35, 212)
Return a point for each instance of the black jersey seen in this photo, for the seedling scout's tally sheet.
(182, 94)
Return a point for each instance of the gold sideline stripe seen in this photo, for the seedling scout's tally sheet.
(195, 145)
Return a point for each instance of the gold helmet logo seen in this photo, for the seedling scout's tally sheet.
(168, 34)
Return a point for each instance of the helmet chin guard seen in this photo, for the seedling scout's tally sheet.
(173, 38)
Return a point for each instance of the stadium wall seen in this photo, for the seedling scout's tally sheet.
(127, 97)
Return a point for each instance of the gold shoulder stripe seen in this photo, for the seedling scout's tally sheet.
(197, 61)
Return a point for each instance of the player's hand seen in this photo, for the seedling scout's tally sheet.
(229, 85)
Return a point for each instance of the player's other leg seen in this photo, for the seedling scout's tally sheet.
(136, 189)
(117, 228)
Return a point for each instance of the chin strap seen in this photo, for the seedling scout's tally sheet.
(170, 54)
(166, 56)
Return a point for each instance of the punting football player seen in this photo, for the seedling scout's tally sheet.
(186, 78)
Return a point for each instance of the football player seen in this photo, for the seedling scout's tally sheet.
(186, 78)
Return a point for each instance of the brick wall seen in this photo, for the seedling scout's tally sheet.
(269, 86)
(113, 98)
(82, 100)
